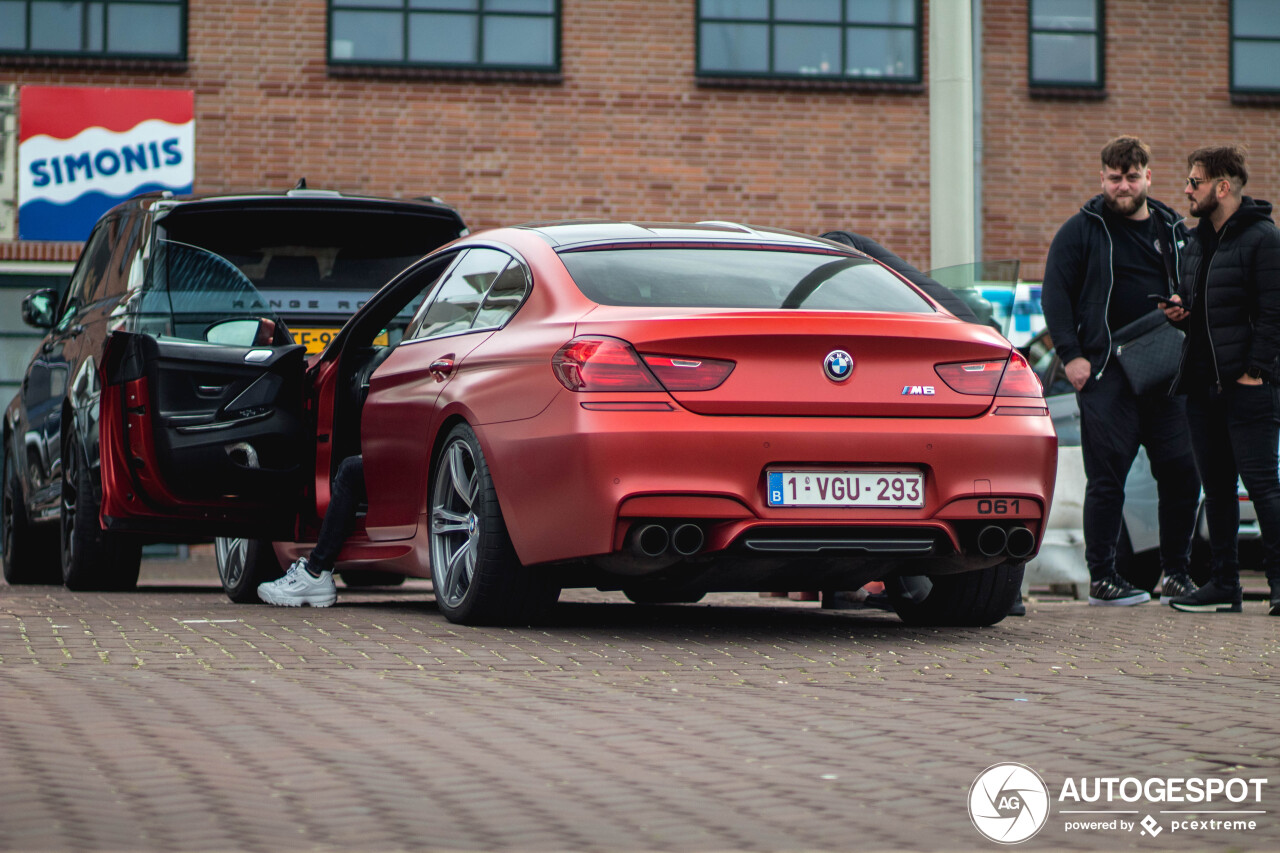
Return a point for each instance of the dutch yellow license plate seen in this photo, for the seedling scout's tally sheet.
(316, 340)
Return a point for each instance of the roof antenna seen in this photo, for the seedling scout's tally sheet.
(301, 184)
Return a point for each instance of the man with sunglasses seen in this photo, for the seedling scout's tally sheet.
(1103, 262)
(1229, 305)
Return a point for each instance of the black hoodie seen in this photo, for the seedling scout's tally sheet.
(1241, 297)
(1078, 279)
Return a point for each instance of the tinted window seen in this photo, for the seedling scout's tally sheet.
(455, 304)
(504, 297)
(92, 267)
(313, 266)
(191, 289)
(739, 278)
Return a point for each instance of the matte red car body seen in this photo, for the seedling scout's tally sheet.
(571, 480)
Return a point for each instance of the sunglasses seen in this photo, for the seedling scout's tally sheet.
(1195, 183)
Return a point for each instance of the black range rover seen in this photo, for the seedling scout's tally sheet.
(280, 268)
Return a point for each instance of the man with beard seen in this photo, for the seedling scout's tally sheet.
(1229, 305)
(1102, 264)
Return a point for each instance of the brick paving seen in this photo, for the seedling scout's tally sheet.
(172, 719)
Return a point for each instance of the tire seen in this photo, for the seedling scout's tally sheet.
(475, 573)
(30, 554)
(663, 595)
(243, 564)
(93, 559)
(971, 599)
(370, 577)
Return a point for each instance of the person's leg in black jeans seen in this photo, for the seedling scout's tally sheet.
(346, 493)
(1167, 438)
(1255, 429)
(310, 579)
(1211, 442)
(1109, 434)
(1209, 414)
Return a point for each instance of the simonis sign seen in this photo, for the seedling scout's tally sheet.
(83, 150)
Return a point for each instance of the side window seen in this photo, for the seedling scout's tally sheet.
(504, 297)
(115, 281)
(89, 272)
(456, 302)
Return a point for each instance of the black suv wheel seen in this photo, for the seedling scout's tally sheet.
(30, 554)
(92, 558)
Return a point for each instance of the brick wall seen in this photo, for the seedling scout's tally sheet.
(1166, 82)
(628, 133)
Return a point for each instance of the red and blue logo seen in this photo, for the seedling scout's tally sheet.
(81, 151)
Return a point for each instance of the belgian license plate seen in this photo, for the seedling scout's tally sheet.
(846, 488)
(316, 340)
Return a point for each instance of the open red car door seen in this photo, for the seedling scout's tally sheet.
(199, 439)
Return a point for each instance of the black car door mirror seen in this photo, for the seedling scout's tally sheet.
(38, 308)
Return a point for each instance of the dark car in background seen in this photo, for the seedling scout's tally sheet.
(293, 265)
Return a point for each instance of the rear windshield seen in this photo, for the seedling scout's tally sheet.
(291, 254)
(311, 268)
(739, 278)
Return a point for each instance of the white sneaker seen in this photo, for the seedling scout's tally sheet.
(299, 587)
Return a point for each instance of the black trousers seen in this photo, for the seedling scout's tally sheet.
(1113, 423)
(1234, 432)
(346, 493)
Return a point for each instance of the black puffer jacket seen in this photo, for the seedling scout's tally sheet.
(1078, 279)
(1242, 294)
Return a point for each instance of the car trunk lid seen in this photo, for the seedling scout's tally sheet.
(779, 359)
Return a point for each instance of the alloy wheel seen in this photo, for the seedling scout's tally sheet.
(455, 526)
(232, 557)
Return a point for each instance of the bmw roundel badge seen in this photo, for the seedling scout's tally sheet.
(838, 365)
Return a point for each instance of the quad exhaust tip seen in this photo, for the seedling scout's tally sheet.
(652, 539)
(1016, 542)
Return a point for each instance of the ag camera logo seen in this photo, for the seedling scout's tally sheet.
(1009, 803)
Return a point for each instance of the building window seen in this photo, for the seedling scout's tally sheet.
(1066, 47)
(1255, 46)
(872, 40)
(136, 29)
(498, 34)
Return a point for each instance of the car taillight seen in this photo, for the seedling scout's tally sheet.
(1012, 378)
(688, 374)
(974, 377)
(601, 364)
(1019, 379)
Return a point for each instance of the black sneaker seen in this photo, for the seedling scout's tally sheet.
(1213, 597)
(1275, 601)
(1019, 607)
(1115, 591)
(1176, 586)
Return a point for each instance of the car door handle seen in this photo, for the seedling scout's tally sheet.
(441, 368)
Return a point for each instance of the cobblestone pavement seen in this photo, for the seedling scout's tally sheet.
(171, 719)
